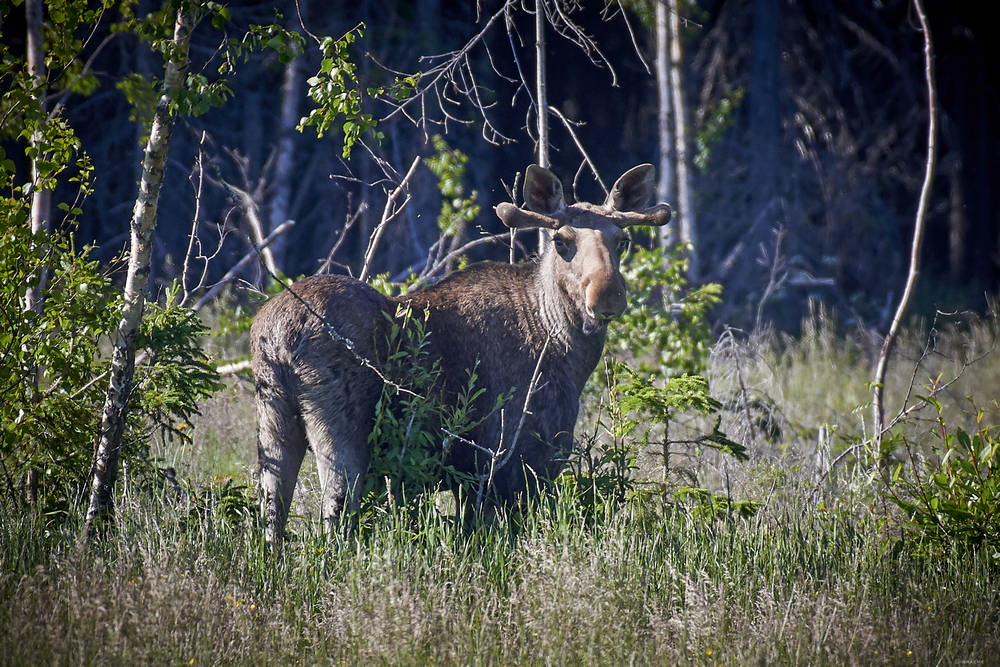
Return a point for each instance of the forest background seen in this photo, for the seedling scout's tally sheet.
(807, 131)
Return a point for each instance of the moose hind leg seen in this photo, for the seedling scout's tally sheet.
(337, 411)
(342, 457)
(281, 446)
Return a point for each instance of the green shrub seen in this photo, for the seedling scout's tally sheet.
(665, 329)
(656, 355)
(50, 362)
(955, 498)
(53, 362)
(415, 424)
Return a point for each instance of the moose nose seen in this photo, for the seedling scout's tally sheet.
(609, 302)
(609, 311)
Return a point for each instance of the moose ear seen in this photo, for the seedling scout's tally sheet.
(634, 190)
(543, 191)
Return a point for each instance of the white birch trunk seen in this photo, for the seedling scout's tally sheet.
(542, 99)
(685, 202)
(105, 468)
(666, 185)
(540, 92)
(41, 197)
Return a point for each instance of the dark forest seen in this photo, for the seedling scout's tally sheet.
(806, 125)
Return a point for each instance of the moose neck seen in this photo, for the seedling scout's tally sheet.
(560, 324)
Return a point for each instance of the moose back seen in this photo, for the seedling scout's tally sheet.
(318, 346)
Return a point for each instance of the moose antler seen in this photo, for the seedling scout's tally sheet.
(519, 218)
(626, 205)
(654, 216)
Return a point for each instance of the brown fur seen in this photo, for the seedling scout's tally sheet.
(312, 388)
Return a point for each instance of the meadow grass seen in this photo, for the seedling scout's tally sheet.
(554, 587)
(823, 573)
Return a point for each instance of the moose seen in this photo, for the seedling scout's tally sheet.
(538, 327)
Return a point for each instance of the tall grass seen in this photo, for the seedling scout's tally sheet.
(810, 579)
(554, 587)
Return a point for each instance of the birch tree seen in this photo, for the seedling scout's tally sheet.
(104, 472)
(685, 200)
(878, 383)
(41, 195)
(666, 184)
(541, 90)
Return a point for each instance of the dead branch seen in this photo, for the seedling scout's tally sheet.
(449, 72)
(241, 265)
(389, 213)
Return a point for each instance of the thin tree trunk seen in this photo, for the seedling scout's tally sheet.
(284, 164)
(542, 99)
(688, 230)
(41, 196)
(105, 468)
(665, 187)
(540, 91)
(878, 409)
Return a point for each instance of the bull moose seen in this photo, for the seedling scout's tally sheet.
(537, 326)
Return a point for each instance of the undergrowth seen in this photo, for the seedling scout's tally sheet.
(643, 584)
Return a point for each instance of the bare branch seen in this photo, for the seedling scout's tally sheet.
(251, 214)
(631, 33)
(500, 457)
(348, 225)
(389, 213)
(451, 71)
(432, 269)
(241, 265)
(568, 124)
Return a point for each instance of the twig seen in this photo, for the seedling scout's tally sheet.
(348, 224)
(495, 455)
(532, 388)
(631, 33)
(432, 268)
(777, 273)
(241, 265)
(193, 237)
(389, 213)
(579, 146)
(449, 72)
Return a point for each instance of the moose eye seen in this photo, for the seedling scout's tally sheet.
(623, 245)
(562, 245)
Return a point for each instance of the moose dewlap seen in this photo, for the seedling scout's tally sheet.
(317, 349)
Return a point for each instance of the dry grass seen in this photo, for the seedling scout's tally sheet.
(811, 579)
(633, 589)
